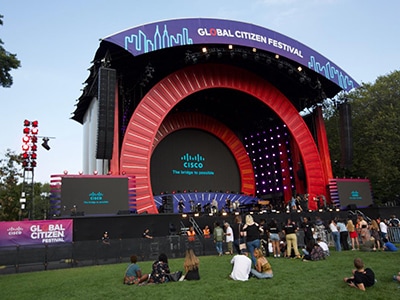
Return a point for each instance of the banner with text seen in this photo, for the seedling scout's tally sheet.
(35, 232)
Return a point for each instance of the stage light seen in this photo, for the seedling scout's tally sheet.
(277, 56)
(224, 213)
(236, 213)
(299, 68)
(230, 47)
(184, 215)
(196, 214)
(204, 49)
(45, 144)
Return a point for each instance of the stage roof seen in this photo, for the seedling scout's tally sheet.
(302, 74)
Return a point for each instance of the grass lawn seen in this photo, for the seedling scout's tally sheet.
(293, 279)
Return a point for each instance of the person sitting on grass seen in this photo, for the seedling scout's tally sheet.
(388, 246)
(191, 266)
(313, 252)
(324, 246)
(241, 266)
(362, 277)
(160, 270)
(263, 268)
(133, 274)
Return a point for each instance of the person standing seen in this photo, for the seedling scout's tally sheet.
(252, 234)
(241, 266)
(307, 227)
(290, 230)
(383, 228)
(238, 233)
(343, 235)
(335, 235)
(273, 230)
(229, 237)
(353, 235)
(146, 234)
(191, 233)
(181, 206)
(218, 238)
(206, 232)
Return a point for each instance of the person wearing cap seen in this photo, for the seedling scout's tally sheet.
(241, 266)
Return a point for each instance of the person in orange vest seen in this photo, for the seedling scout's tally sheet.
(206, 232)
(191, 234)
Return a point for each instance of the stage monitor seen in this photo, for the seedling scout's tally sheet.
(192, 159)
(354, 192)
(94, 195)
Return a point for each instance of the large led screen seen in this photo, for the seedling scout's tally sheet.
(94, 195)
(354, 192)
(192, 159)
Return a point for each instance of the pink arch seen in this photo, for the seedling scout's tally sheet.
(159, 101)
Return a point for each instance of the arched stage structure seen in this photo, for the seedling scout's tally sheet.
(243, 85)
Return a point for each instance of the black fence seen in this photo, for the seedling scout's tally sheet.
(18, 259)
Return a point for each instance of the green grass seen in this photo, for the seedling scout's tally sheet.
(293, 279)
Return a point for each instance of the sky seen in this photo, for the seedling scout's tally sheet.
(57, 40)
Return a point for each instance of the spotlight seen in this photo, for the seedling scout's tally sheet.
(45, 143)
(184, 215)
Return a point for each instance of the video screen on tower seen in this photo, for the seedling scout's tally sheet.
(94, 195)
(192, 159)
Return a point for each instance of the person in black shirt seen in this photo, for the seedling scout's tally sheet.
(307, 227)
(290, 230)
(273, 231)
(252, 233)
(362, 277)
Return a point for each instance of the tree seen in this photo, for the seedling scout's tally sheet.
(376, 137)
(8, 61)
(10, 189)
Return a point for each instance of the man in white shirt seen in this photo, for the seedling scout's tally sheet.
(241, 267)
(382, 227)
(229, 237)
(323, 246)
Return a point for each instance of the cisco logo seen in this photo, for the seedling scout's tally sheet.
(192, 161)
(355, 195)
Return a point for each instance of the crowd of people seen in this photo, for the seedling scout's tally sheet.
(255, 242)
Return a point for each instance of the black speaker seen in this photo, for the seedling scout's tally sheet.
(352, 207)
(346, 137)
(168, 203)
(106, 100)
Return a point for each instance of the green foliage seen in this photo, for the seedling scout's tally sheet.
(376, 136)
(8, 61)
(293, 279)
(11, 178)
(10, 189)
